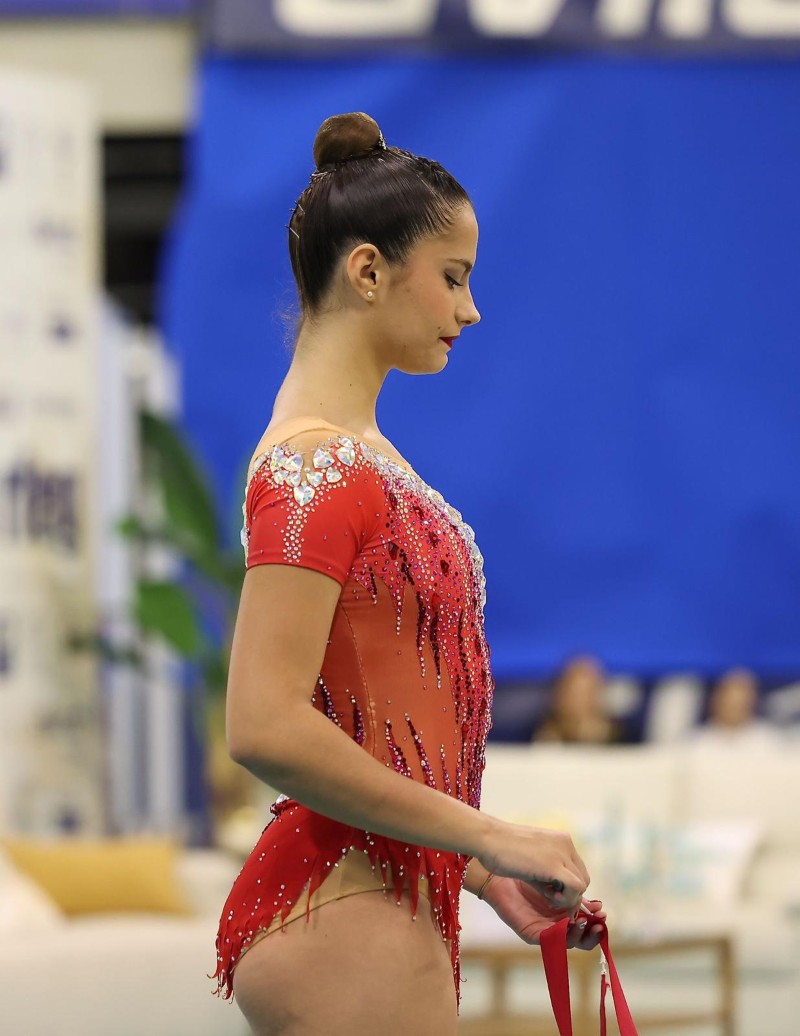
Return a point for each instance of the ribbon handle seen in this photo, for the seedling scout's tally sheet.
(553, 941)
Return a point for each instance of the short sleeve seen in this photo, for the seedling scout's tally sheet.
(312, 504)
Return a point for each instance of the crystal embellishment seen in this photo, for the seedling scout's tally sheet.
(415, 546)
(293, 462)
(322, 458)
(303, 494)
(346, 452)
(288, 468)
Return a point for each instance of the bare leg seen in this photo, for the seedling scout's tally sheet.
(359, 966)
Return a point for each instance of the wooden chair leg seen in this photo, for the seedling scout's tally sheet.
(499, 980)
(586, 968)
(727, 975)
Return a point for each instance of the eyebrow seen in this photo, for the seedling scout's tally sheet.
(464, 262)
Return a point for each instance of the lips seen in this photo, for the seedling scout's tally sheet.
(449, 341)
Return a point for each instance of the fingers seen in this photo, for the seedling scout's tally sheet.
(572, 883)
(576, 864)
(558, 894)
(584, 935)
(595, 907)
(580, 867)
(570, 868)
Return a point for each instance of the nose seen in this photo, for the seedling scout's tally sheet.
(469, 314)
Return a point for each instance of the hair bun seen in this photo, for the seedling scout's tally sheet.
(344, 136)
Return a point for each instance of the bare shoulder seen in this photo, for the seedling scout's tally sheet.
(287, 433)
(383, 445)
(306, 433)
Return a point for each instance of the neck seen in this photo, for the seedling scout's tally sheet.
(335, 375)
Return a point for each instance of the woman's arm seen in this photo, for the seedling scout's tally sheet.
(282, 630)
(474, 877)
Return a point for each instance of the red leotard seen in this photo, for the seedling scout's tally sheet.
(406, 672)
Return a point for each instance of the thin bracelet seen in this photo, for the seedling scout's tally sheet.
(486, 881)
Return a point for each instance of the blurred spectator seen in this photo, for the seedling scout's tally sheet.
(733, 719)
(577, 712)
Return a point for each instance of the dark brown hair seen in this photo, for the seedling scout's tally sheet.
(363, 190)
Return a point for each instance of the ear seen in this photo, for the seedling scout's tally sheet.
(365, 269)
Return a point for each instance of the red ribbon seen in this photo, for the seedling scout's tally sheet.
(554, 955)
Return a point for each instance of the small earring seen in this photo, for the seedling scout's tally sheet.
(370, 294)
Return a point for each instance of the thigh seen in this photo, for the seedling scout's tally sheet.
(359, 965)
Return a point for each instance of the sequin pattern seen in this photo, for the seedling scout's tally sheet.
(406, 673)
(286, 467)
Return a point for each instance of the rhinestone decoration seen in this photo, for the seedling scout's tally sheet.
(303, 494)
(431, 564)
(346, 453)
(406, 673)
(322, 458)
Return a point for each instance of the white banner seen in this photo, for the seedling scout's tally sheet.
(714, 26)
(50, 712)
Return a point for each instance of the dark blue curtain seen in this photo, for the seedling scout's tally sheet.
(622, 430)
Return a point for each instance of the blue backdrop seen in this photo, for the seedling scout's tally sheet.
(622, 429)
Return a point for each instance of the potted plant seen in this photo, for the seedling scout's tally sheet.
(192, 610)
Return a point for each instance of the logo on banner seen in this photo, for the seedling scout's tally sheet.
(39, 505)
(584, 23)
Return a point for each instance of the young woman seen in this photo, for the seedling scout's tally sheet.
(359, 682)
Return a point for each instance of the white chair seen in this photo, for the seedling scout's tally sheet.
(782, 706)
(674, 708)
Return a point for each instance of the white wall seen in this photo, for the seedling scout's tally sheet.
(50, 721)
(138, 70)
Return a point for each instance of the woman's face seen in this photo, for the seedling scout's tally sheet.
(428, 299)
(734, 701)
(579, 691)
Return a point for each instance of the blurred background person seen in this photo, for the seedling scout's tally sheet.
(733, 715)
(578, 712)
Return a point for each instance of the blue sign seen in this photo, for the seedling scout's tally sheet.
(622, 428)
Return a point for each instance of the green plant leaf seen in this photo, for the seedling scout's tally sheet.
(191, 614)
(130, 527)
(187, 498)
(106, 649)
(164, 608)
(186, 543)
(215, 673)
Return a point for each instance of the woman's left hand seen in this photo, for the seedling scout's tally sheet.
(528, 914)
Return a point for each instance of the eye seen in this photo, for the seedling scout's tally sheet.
(453, 282)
